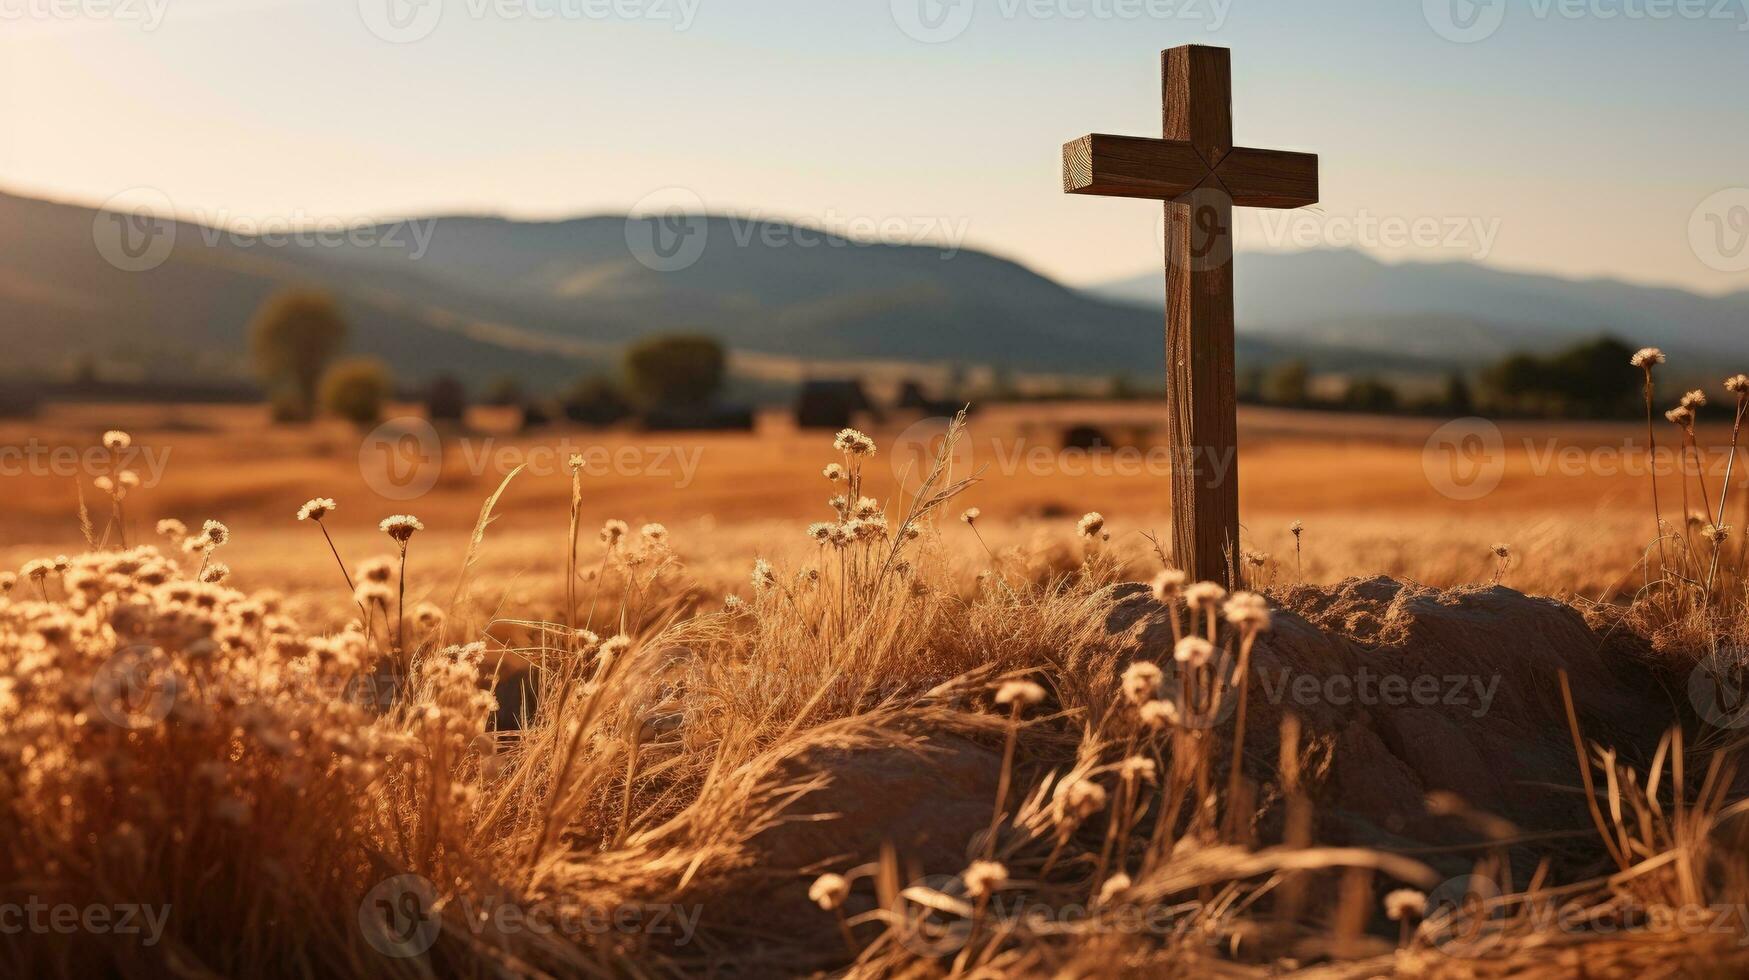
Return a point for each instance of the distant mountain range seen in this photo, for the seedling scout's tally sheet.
(548, 302)
(1456, 312)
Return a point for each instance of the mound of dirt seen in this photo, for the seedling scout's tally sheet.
(1404, 690)
(1401, 691)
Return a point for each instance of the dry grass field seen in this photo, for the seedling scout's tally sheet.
(1571, 499)
(896, 743)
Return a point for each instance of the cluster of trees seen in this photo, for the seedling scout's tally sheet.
(298, 336)
(1589, 380)
(295, 340)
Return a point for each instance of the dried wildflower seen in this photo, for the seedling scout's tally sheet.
(984, 878)
(1681, 415)
(1204, 595)
(734, 604)
(834, 472)
(1502, 551)
(1141, 682)
(1114, 886)
(1647, 357)
(104, 485)
(170, 527)
(615, 645)
(808, 576)
(216, 534)
(8, 581)
(1193, 651)
(377, 569)
(763, 576)
(316, 508)
(128, 479)
(853, 443)
(1694, 399)
(840, 535)
(371, 593)
(401, 527)
(1078, 799)
(215, 572)
(654, 533)
(820, 531)
(1019, 693)
(1159, 714)
(1136, 768)
(1169, 584)
(1090, 524)
(1738, 385)
(1298, 528)
(37, 569)
(971, 515)
(1248, 610)
(613, 532)
(428, 616)
(829, 891)
(1405, 903)
(1715, 533)
(115, 439)
(575, 462)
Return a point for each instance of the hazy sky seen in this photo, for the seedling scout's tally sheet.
(1578, 137)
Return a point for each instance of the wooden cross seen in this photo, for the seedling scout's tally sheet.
(1200, 175)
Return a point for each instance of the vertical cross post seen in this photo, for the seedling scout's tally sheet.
(1201, 176)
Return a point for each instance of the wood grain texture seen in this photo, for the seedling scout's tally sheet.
(1131, 166)
(1269, 178)
(1197, 83)
(1200, 386)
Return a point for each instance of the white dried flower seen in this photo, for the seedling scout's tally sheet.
(1248, 609)
(317, 508)
(1090, 524)
(1204, 595)
(1114, 886)
(1405, 903)
(613, 531)
(984, 878)
(1646, 357)
(116, 439)
(829, 891)
(971, 515)
(1193, 651)
(1169, 584)
(1141, 682)
(1019, 693)
(401, 527)
(1159, 714)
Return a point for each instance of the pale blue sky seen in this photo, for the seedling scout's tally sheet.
(1566, 141)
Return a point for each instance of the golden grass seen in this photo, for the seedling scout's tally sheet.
(203, 749)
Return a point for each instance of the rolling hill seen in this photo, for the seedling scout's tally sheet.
(550, 301)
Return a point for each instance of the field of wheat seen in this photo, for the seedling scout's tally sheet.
(868, 705)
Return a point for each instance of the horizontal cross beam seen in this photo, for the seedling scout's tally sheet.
(1166, 170)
